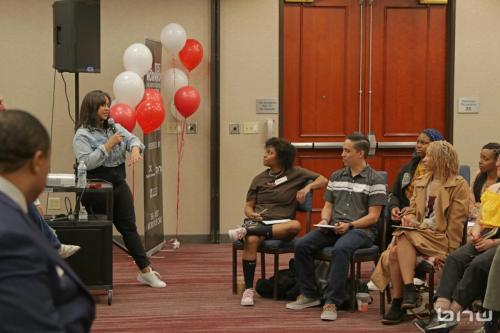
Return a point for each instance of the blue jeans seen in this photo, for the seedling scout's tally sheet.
(343, 247)
(43, 226)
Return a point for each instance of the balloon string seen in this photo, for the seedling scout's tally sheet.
(173, 66)
(181, 128)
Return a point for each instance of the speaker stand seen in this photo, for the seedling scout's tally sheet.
(77, 99)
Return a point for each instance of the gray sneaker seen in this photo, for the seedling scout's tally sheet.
(303, 302)
(329, 312)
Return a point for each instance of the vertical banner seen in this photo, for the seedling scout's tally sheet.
(153, 199)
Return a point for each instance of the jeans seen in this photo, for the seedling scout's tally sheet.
(47, 231)
(465, 274)
(343, 248)
(123, 219)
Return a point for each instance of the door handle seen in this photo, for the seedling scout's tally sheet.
(303, 145)
(395, 145)
(328, 145)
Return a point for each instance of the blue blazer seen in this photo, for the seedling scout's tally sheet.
(39, 292)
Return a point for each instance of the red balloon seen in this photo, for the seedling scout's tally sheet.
(124, 115)
(152, 94)
(191, 54)
(150, 115)
(187, 100)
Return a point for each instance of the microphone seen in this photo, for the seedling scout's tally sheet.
(111, 125)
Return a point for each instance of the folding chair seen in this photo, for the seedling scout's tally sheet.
(274, 247)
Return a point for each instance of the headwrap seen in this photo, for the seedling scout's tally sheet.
(433, 134)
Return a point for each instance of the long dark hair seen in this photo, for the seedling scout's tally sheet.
(285, 152)
(481, 177)
(88, 110)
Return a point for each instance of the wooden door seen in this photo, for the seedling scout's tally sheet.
(376, 67)
(408, 77)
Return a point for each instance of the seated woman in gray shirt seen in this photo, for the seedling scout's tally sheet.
(273, 195)
(103, 150)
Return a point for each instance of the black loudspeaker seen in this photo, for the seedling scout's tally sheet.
(77, 36)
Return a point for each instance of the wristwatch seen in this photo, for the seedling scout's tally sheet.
(351, 226)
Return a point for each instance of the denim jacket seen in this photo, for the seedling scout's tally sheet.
(88, 145)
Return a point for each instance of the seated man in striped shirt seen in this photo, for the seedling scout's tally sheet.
(354, 199)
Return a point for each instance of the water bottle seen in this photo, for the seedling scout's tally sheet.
(82, 214)
(81, 175)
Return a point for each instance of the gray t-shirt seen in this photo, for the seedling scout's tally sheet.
(278, 193)
(352, 196)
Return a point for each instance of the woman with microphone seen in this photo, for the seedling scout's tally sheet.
(102, 146)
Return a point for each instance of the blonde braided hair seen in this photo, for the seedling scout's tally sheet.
(444, 160)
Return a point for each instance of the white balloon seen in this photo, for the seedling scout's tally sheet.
(173, 110)
(173, 37)
(128, 88)
(173, 79)
(138, 58)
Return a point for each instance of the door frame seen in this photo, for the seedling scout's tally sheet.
(450, 68)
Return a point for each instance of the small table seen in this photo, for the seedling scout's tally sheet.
(93, 263)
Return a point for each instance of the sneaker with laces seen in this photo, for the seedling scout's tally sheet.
(247, 298)
(67, 250)
(442, 322)
(303, 302)
(151, 278)
(329, 312)
(237, 234)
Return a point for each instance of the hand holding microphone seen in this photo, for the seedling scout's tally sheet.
(116, 138)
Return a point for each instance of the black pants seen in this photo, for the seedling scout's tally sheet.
(123, 219)
(465, 275)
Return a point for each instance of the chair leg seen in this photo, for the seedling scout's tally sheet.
(235, 258)
(431, 290)
(263, 265)
(276, 269)
(382, 302)
(388, 294)
(353, 286)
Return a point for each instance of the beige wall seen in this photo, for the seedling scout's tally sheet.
(249, 70)
(477, 74)
(26, 82)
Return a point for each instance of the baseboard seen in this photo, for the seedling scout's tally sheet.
(184, 239)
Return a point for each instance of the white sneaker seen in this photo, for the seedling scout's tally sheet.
(67, 250)
(247, 298)
(371, 286)
(152, 278)
(237, 234)
(418, 282)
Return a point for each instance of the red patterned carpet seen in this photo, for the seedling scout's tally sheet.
(198, 298)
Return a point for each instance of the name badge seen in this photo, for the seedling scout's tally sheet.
(280, 180)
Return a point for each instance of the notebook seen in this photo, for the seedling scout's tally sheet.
(403, 227)
(269, 222)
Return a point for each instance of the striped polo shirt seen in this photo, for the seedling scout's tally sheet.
(352, 196)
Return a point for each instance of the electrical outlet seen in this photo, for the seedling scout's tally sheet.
(191, 128)
(234, 128)
(250, 127)
(171, 128)
(54, 203)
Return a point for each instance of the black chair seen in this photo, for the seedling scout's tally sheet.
(359, 256)
(274, 247)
